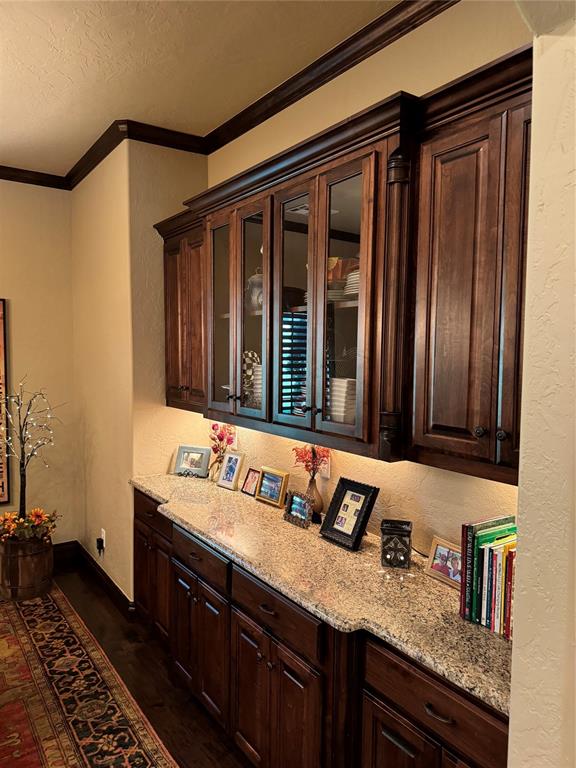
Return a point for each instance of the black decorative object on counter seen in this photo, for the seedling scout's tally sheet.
(396, 543)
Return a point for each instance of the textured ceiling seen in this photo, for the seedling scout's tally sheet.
(68, 69)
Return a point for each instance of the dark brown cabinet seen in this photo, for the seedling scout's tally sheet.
(391, 741)
(184, 305)
(449, 761)
(276, 700)
(471, 221)
(200, 641)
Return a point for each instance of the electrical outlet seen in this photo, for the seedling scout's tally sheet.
(103, 537)
(324, 472)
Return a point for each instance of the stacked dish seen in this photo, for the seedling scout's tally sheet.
(342, 400)
(257, 384)
(352, 284)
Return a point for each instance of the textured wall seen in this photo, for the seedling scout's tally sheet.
(102, 349)
(542, 707)
(466, 36)
(35, 277)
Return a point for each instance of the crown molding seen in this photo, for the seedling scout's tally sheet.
(386, 29)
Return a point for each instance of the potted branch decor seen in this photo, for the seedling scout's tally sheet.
(25, 538)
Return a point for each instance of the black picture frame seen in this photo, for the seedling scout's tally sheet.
(337, 522)
(304, 502)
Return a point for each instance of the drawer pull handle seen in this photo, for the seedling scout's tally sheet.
(432, 713)
(264, 608)
(398, 742)
(194, 556)
(149, 514)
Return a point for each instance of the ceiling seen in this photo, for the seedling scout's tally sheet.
(68, 69)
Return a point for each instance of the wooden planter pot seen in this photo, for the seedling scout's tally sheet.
(25, 569)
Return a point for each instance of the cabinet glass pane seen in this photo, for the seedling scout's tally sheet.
(342, 288)
(253, 319)
(294, 331)
(221, 312)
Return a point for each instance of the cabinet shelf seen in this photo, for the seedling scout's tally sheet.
(251, 313)
(343, 304)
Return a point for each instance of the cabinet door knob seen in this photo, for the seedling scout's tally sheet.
(479, 431)
(270, 666)
(259, 656)
(431, 712)
(183, 388)
(316, 411)
(230, 397)
(307, 409)
(238, 398)
(501, 435)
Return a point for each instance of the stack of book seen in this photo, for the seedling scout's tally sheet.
(488, 570)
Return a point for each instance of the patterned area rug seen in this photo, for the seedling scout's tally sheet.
(62, 705)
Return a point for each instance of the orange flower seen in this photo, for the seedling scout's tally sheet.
(37, 516)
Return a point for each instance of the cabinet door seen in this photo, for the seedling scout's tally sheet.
(185, 300)
(142, 568)
(250, 717)
(513, 270)
(161, 577)
(252, 303)
(296, 711)
(457, 273)
(221, 313)
(184, 623)
(343, 298)
(294, 311)
(390, 741)
(213, 652)
(449, 761)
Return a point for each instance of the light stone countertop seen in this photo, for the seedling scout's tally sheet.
(349, 590)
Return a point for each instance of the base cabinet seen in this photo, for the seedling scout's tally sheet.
(276, 700)
(152, 577)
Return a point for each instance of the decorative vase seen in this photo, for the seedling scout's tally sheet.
(25, 568)
(214, 471)
(318, 504)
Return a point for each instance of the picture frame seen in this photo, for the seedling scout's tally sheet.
(445, 562)
(251, 482)
(192, 460)
(271, 488)
(4, 457)
(347, 517)
(299, 509)
(230, 470)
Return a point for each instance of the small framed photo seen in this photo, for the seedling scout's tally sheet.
(192, 460)
(271, 488)
(347, 517)
(445, 562)
(251, 482)
(299, 509)
(230, 470)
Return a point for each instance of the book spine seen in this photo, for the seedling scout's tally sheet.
(511, 617)
(508, 599)
(493, 597)
(477, 594)
(489, 587)
(486, 559)
(469, 572)
(463, 545)
(498, 605)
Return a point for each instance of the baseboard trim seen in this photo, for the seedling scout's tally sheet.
(71, 556)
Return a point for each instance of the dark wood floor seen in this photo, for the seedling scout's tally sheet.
(190, 736)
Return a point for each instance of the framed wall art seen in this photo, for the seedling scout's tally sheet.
(4, 460)
(348, 514)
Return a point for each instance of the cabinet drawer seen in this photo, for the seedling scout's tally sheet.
(146, 510)
(285, 620)
(458, 722)
(201, 559)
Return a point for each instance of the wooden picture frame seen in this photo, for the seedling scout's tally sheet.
(5, 497)
(440, 562)
(271, 488)
(231, 466)
(192, 460)
(299, 509)
(250, 483)
(347, 517)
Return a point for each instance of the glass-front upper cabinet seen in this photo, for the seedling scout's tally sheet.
(344, 286)
(221, 314)
(252, 302)
(294, 229)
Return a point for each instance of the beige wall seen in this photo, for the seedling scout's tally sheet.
(466, 36)
(102, 360)
(35, 277)
(543, 715)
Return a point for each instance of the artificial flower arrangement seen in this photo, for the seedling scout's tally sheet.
(222, 437)
(38, 524)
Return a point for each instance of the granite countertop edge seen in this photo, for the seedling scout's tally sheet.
(339, 622)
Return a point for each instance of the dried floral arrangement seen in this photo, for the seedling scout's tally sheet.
(222, 437)
(312, 458)
(26, 432)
